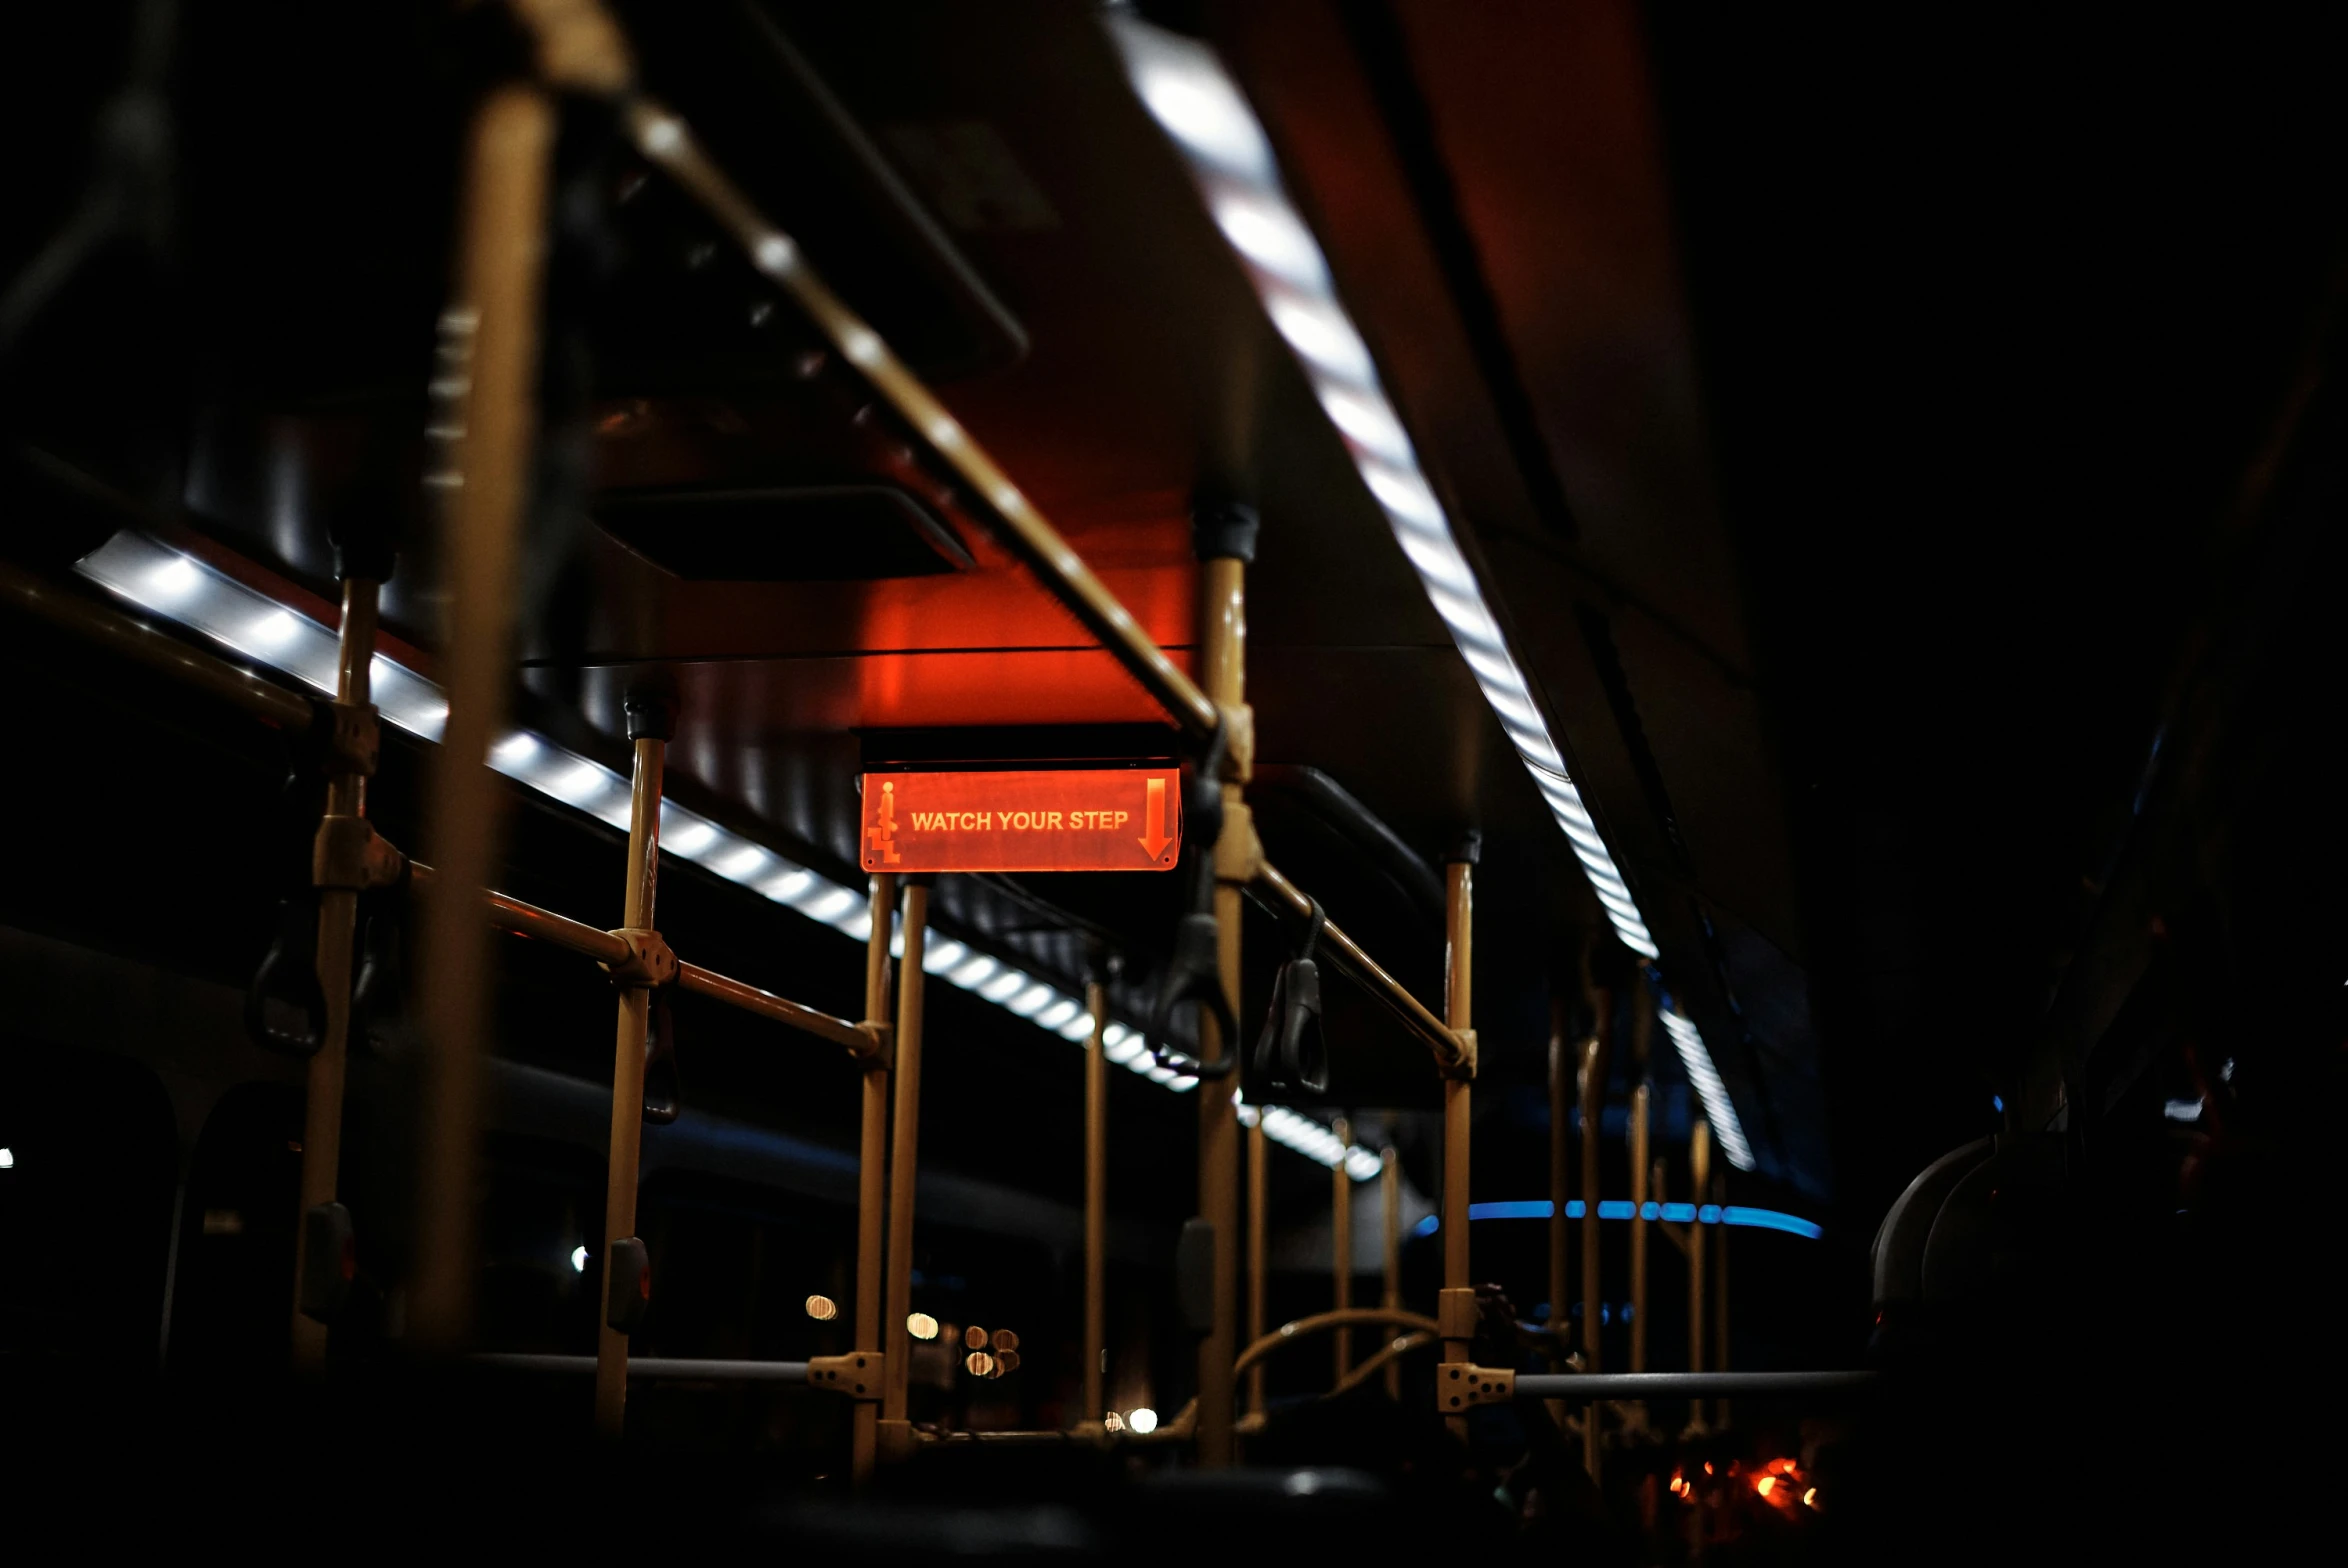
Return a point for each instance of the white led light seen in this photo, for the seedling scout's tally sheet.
(515, 751)
(1031, 1001)
(1367, 422)
(791, 886)
(174, 580)
(1406, 498)
(1121, 1051)
(1698, 1061)
(1004, 986)
(690, 839)
(1188, 94)
(938, 956)
(1077, 1030)
(1058, 1014)
(1268, 234)
(7, 1159)
(975, 973)
(1321, 336)
(1144, 1421)
(745, 863)
(273, 630)
(829, 905)
(583, 782)
(578, 1260)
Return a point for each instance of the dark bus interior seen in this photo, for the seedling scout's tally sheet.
(1745, 588)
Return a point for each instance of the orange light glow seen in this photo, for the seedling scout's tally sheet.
(1766, 1485)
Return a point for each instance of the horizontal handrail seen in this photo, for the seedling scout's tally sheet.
(1686, 1385)
(1440, 1039)
(669, 1368)
(512, 915)
(1296, 1330)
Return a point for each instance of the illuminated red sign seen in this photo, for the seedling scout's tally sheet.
(1098, 819)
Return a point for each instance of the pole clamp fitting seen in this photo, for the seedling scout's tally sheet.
(649, 963)
(1459, 1384)
(353, 740)
(348, 853)
(1465, 1068)
(1455, 1313)
(1239, 741)
(860, 1374)
(1239, 854)
(879, 1050)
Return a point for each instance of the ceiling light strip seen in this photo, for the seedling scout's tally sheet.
(1186, 90)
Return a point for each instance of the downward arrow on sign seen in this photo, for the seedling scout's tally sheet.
(1153, 820)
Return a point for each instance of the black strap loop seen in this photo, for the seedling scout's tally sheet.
(1292, 1053)
(1195, 972)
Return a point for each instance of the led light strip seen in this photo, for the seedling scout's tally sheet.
(167, 583)
(1623, 1209)
(1186, 90)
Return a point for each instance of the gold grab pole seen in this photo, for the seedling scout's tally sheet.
(1456, 1312)
(1258, 1210)
(1593, 1108)
(1341, 1252)
(896, 1431)
(338, 922)
(489, 366)
(1700, 1178)
(1096, 1202)
(872, 1155)
(1390, 1196)
(1720, 1309)
(1640, 1198)
(1223, 659)
(1561, 1102)
(650, 724)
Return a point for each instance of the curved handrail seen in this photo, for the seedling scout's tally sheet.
(1293, 1332)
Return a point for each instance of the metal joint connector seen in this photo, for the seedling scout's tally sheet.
(1239, 854)
(1459, 1384)
(879, 1050)
(649, 962)
(1465, 1067)
(1239, 741)
(348, 853)
(353, 740)
(858, 1374)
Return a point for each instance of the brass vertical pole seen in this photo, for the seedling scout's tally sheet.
(1258, 1208)
(872, 1188)
(1456, 1316)
(1593, 1119)
(1561, 1102)
(1096, 1201)
(1390, 1196)
(489, 363)
(1640, 1198)
(1341, 1251)
(1720, 1312)
(650, 723)
(338, 920)
(1700, 1178)
(896, 1435)
(1223, 657)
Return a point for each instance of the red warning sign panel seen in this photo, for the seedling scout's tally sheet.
(1098, 819)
